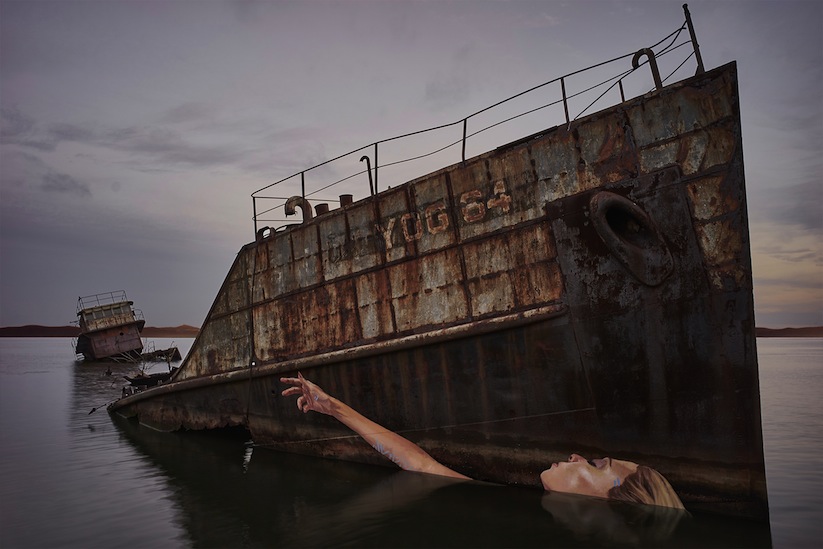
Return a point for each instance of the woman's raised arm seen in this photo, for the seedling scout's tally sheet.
(406, 454)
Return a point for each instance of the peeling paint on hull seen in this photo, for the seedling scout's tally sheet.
(584, 290)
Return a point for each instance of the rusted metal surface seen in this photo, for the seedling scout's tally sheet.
(587, 289)
(109, 327)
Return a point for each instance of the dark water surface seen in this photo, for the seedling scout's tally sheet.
(73, 479)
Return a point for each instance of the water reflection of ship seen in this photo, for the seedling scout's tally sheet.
(230, 494)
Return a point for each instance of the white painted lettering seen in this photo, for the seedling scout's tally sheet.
(437, 220)
(387, 232)
(473, 208)
(500, 199)
(411, 220)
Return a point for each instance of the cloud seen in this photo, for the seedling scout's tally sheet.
(166, 146)
(18, 129)
(70, 132)
(14, 123)
(187, 112)
(22, 169)
(451, 86)
(157, 143)
(249, 11)
(62, 183)
(443, 92)
(799, 204)
(539, 21)
(787, 265)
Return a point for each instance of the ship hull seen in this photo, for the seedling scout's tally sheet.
(122, 342)
(586, 290)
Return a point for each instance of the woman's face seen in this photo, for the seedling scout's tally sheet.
(589, 478)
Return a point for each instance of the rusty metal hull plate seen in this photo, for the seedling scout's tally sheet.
(111, 342)
(586, 290)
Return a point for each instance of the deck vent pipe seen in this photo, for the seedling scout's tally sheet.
(346, 200)
(320, 209)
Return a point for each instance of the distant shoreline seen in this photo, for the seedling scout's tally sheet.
(73, 331)
(190, 331)
(811, 331)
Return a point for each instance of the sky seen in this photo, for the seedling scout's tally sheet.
(133, 132)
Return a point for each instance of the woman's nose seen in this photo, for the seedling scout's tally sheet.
(576, 457)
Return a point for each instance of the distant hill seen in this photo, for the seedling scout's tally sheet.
(184, 330)
(73, 331)
(812, 331)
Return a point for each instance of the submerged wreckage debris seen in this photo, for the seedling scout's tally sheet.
(149, 380)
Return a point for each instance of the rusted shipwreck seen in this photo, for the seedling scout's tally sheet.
(587, 288)
(111, 331)
(110, 328)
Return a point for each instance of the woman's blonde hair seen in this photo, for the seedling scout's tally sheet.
(646, 486)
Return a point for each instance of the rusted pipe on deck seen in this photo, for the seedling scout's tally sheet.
(368, 169)
(263, 233)
(299, 202)
(652, 63)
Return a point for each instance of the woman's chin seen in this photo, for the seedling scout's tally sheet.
(544, 478)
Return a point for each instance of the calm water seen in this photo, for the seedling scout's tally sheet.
(73, 479)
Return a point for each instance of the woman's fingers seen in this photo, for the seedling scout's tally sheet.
(292, 391)
(301, 387)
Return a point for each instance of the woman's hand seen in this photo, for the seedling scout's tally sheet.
(311, 396)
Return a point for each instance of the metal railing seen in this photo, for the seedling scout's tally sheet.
(615, 80)
(97, 300)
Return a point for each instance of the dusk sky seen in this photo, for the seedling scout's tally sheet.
(134, 132)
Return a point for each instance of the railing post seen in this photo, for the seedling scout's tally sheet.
(254, 207)
(465, 122)
(700, 68)
(565, 102)
(375, 168)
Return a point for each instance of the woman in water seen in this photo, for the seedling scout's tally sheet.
(605, 478)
